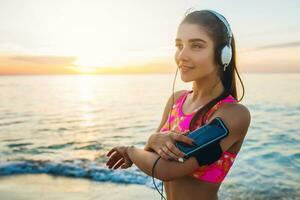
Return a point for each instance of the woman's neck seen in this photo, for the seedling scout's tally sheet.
(205, 90)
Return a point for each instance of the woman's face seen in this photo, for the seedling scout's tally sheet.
(195, 52)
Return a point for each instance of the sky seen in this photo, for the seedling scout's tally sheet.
(138, 36)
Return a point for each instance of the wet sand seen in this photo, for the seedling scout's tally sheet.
(48, 187)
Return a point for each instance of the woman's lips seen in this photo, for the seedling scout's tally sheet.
(185, 68)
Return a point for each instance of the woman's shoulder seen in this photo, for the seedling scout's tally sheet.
(236, 115)
(233, 109)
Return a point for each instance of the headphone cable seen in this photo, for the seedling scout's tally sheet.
(162, 186)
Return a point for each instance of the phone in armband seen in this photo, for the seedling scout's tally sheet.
(203, 136)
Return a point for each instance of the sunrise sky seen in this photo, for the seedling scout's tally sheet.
(137, 36)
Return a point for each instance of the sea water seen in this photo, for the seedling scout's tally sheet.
(65, 125)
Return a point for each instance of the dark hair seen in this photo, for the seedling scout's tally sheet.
(218, 33)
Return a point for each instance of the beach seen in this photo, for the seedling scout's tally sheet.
(48, 187)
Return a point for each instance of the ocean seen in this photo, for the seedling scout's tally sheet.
(65, 125)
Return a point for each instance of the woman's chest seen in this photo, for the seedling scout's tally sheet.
(177, 122)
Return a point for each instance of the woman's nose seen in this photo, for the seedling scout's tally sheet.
(183, 54)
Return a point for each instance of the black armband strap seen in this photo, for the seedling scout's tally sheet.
(209, 154)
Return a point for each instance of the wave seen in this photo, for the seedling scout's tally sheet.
(81, 168)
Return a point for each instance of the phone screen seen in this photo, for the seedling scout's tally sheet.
(204, 135)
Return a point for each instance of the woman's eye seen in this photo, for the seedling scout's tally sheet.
(178, 46)
(197, 46)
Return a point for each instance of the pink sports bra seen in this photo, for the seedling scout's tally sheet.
(215, 172)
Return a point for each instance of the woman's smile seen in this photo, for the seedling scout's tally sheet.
(186, 69)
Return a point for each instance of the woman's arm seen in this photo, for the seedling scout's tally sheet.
(164, 170)
(236, 118)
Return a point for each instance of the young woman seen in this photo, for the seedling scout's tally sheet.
(201, 38)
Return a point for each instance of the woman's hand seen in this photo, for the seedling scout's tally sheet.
(119, 158)
(163, 144)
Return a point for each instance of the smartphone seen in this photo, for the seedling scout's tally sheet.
(203, 136)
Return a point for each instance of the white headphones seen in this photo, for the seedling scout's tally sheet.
(225, 51)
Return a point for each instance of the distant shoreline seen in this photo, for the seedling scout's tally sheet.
(169, 73)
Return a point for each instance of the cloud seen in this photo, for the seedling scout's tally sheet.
(29, 64)
(274, 46)
(283, 45)
(278, 58)
(43, 60)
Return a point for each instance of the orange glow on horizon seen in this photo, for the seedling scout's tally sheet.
(253, 61)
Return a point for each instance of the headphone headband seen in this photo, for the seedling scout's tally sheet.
(225, 22)
(219, 16)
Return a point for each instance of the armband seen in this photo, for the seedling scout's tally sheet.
(207, 138)
(209, 154)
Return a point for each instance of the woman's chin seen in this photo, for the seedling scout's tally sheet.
(185, 78)
(186, 75)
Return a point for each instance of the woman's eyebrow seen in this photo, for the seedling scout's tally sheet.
(192, 40)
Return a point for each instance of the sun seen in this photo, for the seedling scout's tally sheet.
(85, 70)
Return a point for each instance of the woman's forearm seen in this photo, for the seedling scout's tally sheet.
(143, 159)
(164, 170)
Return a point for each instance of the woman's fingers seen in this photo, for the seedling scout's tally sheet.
(185, 132)
(113, 159)
(111, 151)
(183, 138)
(169, 154)
(162, 154)
(127, 164)
(170, 150)
(175, 151)
(117, 159)
(121, 162)
(180, 133)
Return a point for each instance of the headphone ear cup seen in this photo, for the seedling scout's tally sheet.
(226, 54)
(218, 55)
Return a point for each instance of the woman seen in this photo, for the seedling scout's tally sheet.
(201, 36)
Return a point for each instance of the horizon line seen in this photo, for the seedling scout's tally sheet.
(143, 73)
